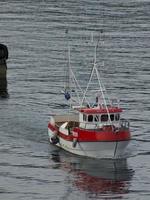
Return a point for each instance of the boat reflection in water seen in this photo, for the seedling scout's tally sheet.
(97, 177)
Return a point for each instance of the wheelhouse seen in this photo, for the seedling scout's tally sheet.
(90, 118)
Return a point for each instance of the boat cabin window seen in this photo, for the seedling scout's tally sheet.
(112, 117)
(90, 118)
(117, 117)
(104, 118)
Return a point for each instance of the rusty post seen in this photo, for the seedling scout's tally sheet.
(3, 71)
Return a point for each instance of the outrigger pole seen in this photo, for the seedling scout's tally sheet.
(70, 77)
(94, 69)
(101, 86)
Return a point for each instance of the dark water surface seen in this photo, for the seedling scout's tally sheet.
(34, 32)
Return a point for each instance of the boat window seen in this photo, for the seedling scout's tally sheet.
(117, 117)
(84, 117)
(90, 118)
(104, 118)
(96, 118)
(112, 117)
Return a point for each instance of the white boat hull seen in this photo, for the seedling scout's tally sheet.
(92, 149)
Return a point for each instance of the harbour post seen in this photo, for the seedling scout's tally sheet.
(3, 71)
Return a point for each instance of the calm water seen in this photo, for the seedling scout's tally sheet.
(34, 32)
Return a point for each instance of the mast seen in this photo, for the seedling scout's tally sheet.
(102, 89)
(72, 90)
(68, 78)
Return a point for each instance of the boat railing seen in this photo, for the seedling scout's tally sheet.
(115, 102)
(93, 126)
(124, 123)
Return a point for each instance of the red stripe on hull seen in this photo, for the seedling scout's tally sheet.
(107, 135)
(52, 128)
(65, 137)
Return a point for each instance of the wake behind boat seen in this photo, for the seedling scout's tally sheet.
(90, 129)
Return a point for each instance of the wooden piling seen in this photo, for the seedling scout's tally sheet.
(3, 71)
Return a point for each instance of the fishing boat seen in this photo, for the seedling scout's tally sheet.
(91, 128)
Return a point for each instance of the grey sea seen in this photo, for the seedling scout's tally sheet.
(37, 34)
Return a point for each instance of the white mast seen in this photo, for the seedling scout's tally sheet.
(72, 86)
(101, 86)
